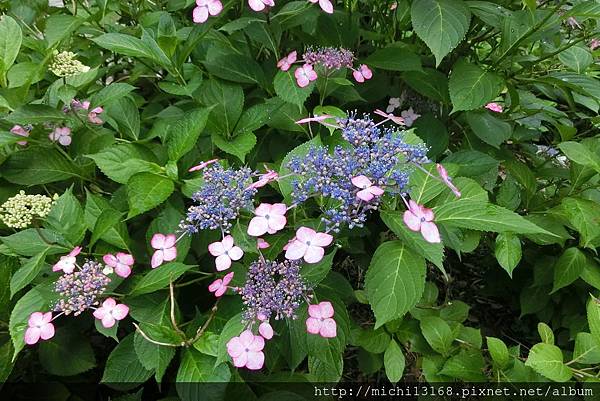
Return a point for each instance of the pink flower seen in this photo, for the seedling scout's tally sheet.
(495, 107)
(315, 119)
(325, 5)
(320, 320)
(420, 218)
(93, 115)
(594, 44)
(308, 245)
(393, 104)
(447, 180)
(18, 130)
(40, 326)
(363, 73)
(121, 263)
(67, 263)
(285, 63)
(246, 350)
(262, 244)
(269, 219)
(389, 116)
(165, 249)
(304, 75)
(265, 330)
(409, 116)
(203, 165)
(225, 251)
(219, 286)
(62, 135)
(77, 105)
(110, 312)
(204, 9)
(259, 5)
(368, 190)
(264, 180)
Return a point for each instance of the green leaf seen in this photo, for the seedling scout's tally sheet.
(498, 351)
(160, 278)
(285, 184)
(232, 328)
(547, 360)
(545, 333)
(394, 58)
(123, 369)
(27, 272)
(120, 162)
(568, 268)
(32, 241)
(145, 191)
(116, 235)
(429, 83)
(393, 360)
(472, 87)
(288, 90)
(67, 354)
(437, 333)
(110, 93)
(593, 318)
(508, 251)
(467, 365)
(236, 68)
(577, 58)
(36, 166)
(584, 216)
(581, 154)
(124, 116)
(314, 273)
(587, 350)
(489, 128)
(36, 114)
(182, 136)
(485, 217)
(59, 26)
(10, 42)
(441, 24)
(238, 146)
(432, 252)
(66, 217)
(227, 102)
(109, 218)
(152, 356)
(124, 44)
(395, 281)
(199, 378)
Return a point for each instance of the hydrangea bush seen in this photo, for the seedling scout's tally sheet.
(303, 191)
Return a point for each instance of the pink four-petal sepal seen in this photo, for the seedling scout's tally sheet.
(204, 8)
(308, 245)
(305, 75)
(286, 63)
(367, 190)
(219, 286)
(268, 219)
(246, 350)
(325, 5)
(225, 252)
(110, 312)
(39, 327)
(165, 249)
(362, 74)
(121, 263)
(320, 320)
(420, 218)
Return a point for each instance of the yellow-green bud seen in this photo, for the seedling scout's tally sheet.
(64, 64)
(20, 210)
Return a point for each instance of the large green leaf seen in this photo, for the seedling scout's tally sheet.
(489, 128)
(36, 113)
(239, 146)
(182, 136)
(472, 87)
(126, 44)
(584, 216)
(66, 217)
(120, 162)
(27, 272)
(508, 251)
(10, 42)
(160, 278)
(394, 58)
(568, 267)
(123, 369)
(593, 318)
(199, 378)
(547, 360)
(152, 356)
(581, 154)
(67, 354)
(437, 333)
(37, 166)
(145, 191)
(236, 68)
(227, 102)
(577, 58)
(442, 24)
(394, 362)
(288, 90)
(395, 281)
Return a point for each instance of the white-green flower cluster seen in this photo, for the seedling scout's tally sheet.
(20, 210)
(65, 64)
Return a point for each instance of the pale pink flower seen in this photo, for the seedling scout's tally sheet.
(285, 63)
(165, 249)
(308, 244)
(363, 73)
(305, 75)
(594, 44)
(40, 326)
(225, 251)
(495, 107)
(320, 320)
(572, 22)
(393, 104)
(77, 105)
(18, 130)
(246, 350)
(390, 116)
(67, 262)
(269, 219)
(325, 5)
(409, 116)
(290, 242)
(203, 165)
(264, 179)
(259, 5)
(420, 218)
(61, 135)
(219, 286)
(447, 180)
(262, 244)
(367, 190)
(204, 8)
(265, 330)
(316, 118)
(121, 263)
(93, 115)
(110, 312)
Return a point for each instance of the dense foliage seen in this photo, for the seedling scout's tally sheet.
(270, 190)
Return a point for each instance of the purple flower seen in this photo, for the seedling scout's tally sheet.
(332, 58)
(79, 290)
